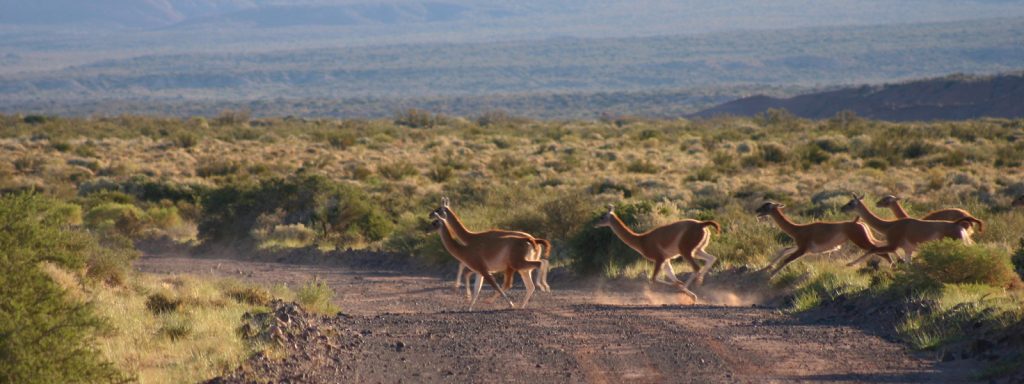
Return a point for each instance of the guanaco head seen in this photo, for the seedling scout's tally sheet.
(436, 221)
(436, 224)
(887, 201)
(853, 204)
(767, 208)
(441, 210)
(1019, 201)
(606, 218)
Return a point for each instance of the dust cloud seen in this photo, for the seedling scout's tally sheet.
(645, 294)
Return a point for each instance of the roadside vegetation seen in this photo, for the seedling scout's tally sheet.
(278, 183)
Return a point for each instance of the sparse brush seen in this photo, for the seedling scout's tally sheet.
(176, 326)
(316, 296)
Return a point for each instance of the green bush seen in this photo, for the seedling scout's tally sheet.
(45, 336)
(337, 211)
(596, 250)
(112, 261)
(34, 119)
(125, 219)
(953, 262)
(1018, 259)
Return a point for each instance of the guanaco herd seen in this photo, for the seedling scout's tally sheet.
(511, 252)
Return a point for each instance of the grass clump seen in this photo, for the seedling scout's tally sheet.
(159, 303)
(953, 262)
(825, 282)
(190, 338)
(316, 296)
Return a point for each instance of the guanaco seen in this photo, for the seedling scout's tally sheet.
(816, 237)
(907, 234)
(686, 238)
(949, 214)
(463, 233)
(483, 256)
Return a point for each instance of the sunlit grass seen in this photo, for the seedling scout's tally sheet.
(194, 343)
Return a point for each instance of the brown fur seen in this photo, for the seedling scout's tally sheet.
(907, 234)
(686, 238)
(949, 214)
(817, 237)
(499, 253)
(463, 233)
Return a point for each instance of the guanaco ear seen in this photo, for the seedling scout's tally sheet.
(611, 208)
(445, 201)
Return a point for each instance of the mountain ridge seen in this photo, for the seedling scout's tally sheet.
(953, 97)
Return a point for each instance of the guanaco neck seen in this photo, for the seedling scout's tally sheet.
(453, 247)
(456, 224)
(632, 239)
(897, 209)
(787, 225)
(870, 218)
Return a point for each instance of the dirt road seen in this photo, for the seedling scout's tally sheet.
(402, 324)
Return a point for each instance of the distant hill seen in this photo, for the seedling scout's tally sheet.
(953, 97)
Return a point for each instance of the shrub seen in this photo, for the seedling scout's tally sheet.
(229, 117)
(176, 326)
(316, 296)
(1018, 259)
(415, 118)
(918, 148)
(286, 236)
(164, 218)
(341, 140)
(333, 210)
(122, 218)
(111, 262)
(953, 262)
(159, 303)
(440, 173)
(45, 336)
(210, 167)
(397, 170)
(34, 119)
(643, 166)
(773, 153)
(250, 295)
(595, 250)
(185, 140)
